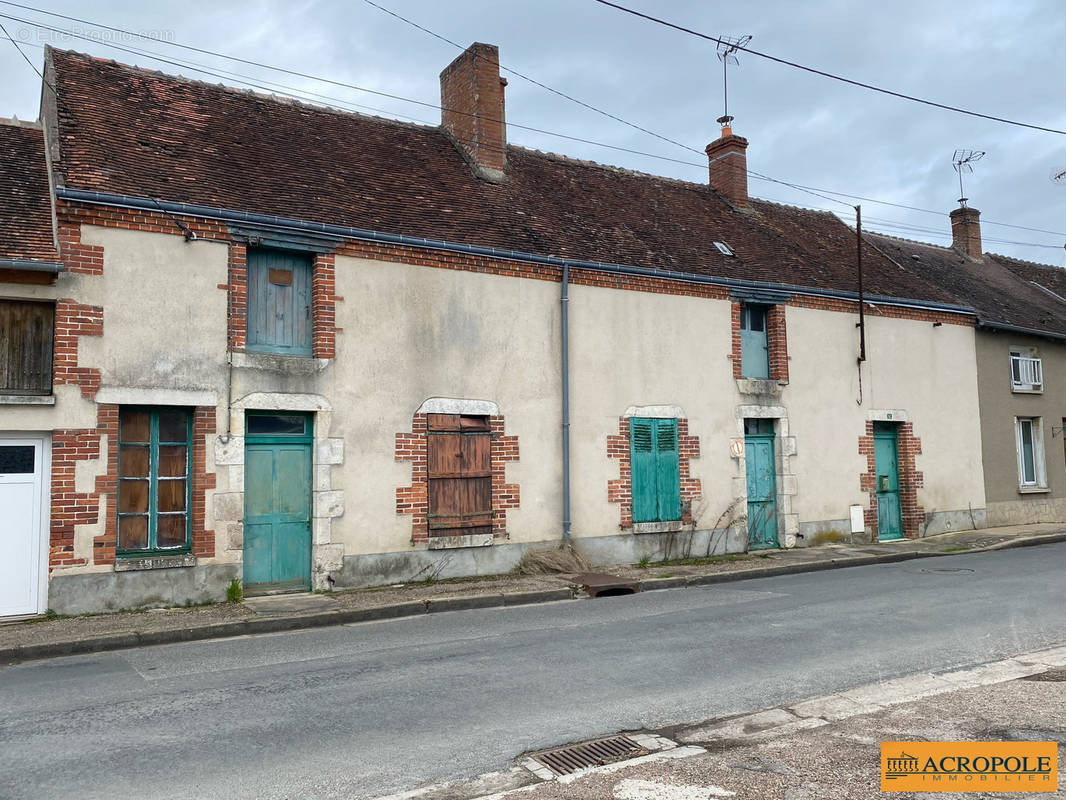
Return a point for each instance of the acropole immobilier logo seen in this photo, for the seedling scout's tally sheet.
(969, 766)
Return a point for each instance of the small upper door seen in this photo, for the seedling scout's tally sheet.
(754, 348)
(279, 302)
(762, 490)
(886, 466)
(277, 503)
(21, 500)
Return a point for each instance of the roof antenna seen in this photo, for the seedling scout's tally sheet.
(727, 54)
(963, 161)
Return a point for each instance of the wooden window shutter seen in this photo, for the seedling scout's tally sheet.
(642, 459)
(26, 335)
(667, 472)
(460, 475)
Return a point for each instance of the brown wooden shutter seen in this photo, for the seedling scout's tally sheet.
(460, 475)
(26, 331)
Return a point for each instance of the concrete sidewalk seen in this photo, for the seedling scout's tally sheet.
(44, 637)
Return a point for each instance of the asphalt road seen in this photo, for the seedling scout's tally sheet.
(362, 710)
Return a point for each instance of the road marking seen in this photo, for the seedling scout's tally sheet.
(633, 789)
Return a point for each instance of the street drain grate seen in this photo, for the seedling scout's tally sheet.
(566, 760)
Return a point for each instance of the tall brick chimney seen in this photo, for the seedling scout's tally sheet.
(471, 99)
(966, 231)
(729, 166)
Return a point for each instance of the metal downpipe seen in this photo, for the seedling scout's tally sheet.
(565, 317)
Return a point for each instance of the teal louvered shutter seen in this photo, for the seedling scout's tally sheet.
(643, 467)
(667, 470)
(279, 302)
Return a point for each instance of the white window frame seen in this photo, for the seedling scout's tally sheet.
(1036, 431)
(1026, 360)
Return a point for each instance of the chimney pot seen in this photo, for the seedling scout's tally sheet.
(966, 232)
(728, 164)
(472, 109)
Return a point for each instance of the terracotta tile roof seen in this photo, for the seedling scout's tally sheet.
(25, 202)
(991, 286)
(1047, 275)
(124, 130)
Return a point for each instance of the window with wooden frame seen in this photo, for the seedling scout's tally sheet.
(656, 469)
(279, 302)
(460, 475)
(154, 457)
(27, 331)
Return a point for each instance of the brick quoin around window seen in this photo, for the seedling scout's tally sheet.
(910, 479)
(621, 490)
(776, 342)
(414, 499)
(323, 302)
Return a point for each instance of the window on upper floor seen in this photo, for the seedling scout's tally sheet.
(279, 302)
(754, 342)
(154, 458)
(1029, 433)
(1026, 370)
(27, 330)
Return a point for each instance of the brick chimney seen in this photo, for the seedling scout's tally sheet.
(729, 166)
(471, 98)
(966, 231)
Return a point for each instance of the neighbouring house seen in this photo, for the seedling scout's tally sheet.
(307, 348)
(1021, 364)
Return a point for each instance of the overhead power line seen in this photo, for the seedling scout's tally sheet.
(831, 75)
(302, 94)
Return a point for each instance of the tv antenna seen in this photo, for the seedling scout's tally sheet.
(1058, 176)
(727, 54)
(963, 161)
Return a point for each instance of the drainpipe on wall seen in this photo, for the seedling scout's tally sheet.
(862, 317)
(565, 302)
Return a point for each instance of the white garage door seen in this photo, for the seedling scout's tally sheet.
(22, 493)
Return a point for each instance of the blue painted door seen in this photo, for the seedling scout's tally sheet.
(279, 302)
(762, 491)
(754, 350)
(277, 514)
(886, 461)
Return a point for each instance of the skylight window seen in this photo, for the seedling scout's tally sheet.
(724, 249)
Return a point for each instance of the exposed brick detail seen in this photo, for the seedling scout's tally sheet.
(737, 350)
(472, 105)
(777, 343)
(621, 490)
(74, 320)
(324, 307)
(238, 297)
(910, 479)
(84, 259)
(70, 508)
(414, 499)
(203, 426)
(384, 251)
(728, 166)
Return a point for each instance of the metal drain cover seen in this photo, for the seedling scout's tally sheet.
(565, 760)
(947, 569)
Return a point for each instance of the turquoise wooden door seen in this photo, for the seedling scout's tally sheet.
(886, 466)
(754, 351)
(277, 512)
(279, 302)
(656, 470)
(762, 491)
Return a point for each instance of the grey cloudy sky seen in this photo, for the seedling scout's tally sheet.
(1002, 58)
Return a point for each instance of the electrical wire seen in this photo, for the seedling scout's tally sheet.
(831, 75)
(303, 94)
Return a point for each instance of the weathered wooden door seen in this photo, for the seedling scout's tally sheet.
(886, 461)
(762, 491)
(279, 302)
(655, 469)
(277, 504)
(26, 347)
(754, 349)
(460, 475)
(22, 490)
